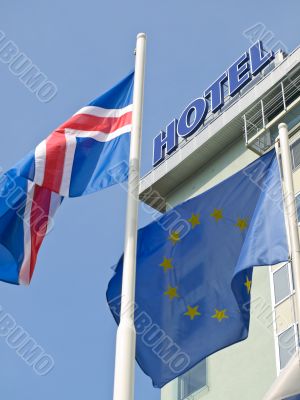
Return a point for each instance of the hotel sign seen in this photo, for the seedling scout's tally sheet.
(237, 76)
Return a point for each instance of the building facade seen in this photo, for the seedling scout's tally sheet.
(240, 131)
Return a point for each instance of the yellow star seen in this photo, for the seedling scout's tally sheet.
(194, 220)
(220, 314)
(248, 284)
(242, 223)
(167, 264)
(192, 312)
(171, 292)
(217, 214)
(174, 237)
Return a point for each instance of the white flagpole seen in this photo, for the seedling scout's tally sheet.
(126, 335)
(291, 211)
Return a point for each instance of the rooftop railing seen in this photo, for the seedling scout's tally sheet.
(280, 104)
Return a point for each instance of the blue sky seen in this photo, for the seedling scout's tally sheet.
(86, 47)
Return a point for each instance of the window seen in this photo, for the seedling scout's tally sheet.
(287, 345)
(298, 206)
(295, 150)
(281, 283)
(284, 318)
(192, 381)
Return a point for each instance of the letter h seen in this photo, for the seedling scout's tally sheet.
(165, 142)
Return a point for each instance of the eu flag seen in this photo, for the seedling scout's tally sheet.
(194, 270)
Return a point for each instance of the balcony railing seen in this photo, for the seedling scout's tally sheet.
(281, 104)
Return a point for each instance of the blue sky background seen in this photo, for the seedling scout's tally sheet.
(86, 47)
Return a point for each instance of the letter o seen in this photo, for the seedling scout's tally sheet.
(44, 365)
(46, 92)
(179, 363)
(185, 126)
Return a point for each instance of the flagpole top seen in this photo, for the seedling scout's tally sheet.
(141, 35)
(282, 125)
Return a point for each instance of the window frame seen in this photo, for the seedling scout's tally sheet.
(198, 391)
(293, 142)
(275, 305)
(291, 285)
(296, 195)
(294, 325)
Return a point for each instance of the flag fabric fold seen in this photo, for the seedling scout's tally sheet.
(26, 216)
(87, 153)
(194, 270)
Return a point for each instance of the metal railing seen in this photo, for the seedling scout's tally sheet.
(261, 119)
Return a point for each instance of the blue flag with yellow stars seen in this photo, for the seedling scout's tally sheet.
(194, 270)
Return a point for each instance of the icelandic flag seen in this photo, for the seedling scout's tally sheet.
(87, 153)
(26, 217)
(194, 270)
